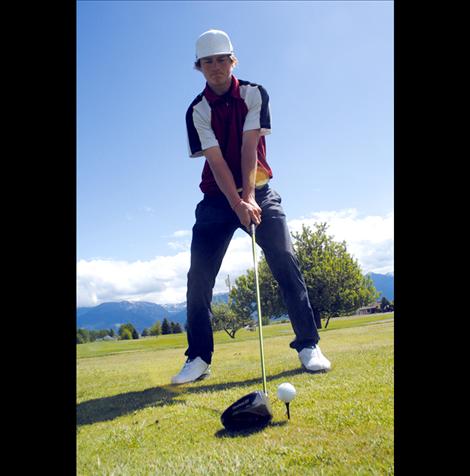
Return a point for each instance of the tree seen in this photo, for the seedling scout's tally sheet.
(272, 303)
(156, 329)
(176, 328)
(243, 297)
(224, 317)
(335, 283)
(145, 332)
(101, 333)
(243, 294)
(125, 334)
(132, 331)
(135, 334)
(386, 305)
(83, 336)
(166, 329)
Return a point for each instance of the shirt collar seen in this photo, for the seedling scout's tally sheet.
(234, 91)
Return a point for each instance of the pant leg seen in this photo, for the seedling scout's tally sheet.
(212, 234)
(274, 238)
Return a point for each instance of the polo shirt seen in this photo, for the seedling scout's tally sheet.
(213, 120)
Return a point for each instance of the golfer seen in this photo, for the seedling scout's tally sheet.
(227, 124)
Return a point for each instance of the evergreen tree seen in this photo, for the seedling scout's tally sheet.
(385, 305)
(166, 329)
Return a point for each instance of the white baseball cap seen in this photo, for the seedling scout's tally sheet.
(213, 42)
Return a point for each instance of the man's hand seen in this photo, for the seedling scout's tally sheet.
(248, 212)
(246, 208)
(255, 210)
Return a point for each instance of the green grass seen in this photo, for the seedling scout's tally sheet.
(131, 422)
(171, 341)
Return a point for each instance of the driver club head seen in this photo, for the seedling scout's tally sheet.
(252, 410)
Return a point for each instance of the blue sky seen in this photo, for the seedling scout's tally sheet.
(328, 69)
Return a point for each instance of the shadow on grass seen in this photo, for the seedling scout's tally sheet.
(247, 432)
(109, 408)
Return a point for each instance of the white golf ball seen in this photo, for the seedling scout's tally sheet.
(286, 392)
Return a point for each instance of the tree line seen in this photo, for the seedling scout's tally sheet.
(128, 332)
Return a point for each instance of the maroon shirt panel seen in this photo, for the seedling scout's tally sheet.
(228, 113)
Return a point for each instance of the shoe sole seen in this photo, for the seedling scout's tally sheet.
(319, 371)
(202, 377)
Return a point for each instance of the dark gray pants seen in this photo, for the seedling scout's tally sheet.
(215, 225)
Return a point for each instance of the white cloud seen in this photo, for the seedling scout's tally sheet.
(182, 242)
(370, 239)
(160, 280)
(237, 260)
(181, 233)
(163, 279)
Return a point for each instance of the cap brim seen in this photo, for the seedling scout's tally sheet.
(215, 54)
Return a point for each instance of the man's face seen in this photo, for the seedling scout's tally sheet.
(217, 70)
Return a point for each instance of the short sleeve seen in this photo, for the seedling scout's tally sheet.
(258, 116)
(200, 133)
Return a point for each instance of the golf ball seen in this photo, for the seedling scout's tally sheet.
(286, 392)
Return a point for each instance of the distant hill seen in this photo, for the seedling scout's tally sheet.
(220, 298)
(112, 314)
(384, 283)
(144, 314)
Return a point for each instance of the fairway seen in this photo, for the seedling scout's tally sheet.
(130, 421)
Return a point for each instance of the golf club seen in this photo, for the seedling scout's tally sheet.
(252, 409)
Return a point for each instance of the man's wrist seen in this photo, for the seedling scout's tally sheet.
(236, 204)
(248, 195)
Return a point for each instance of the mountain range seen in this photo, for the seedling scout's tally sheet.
(112, 314)
(144, 314)
(384, 283)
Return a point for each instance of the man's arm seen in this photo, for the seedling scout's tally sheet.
(222, 174)
(245, 211)
(249, 165)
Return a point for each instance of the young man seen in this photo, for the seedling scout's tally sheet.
(226, 124)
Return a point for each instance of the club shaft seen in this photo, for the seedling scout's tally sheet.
(258, 303)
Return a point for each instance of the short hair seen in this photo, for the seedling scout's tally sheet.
(232, 57)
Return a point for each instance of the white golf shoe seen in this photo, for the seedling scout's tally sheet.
(313, 359)
(192, 370)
